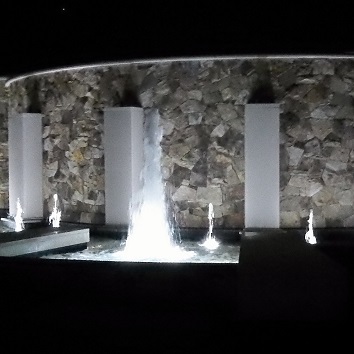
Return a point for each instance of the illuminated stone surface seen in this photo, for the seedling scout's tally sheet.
(201, 103)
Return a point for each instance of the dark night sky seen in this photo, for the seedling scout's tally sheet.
(38, 37)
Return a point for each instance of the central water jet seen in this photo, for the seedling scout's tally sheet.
(150, 235)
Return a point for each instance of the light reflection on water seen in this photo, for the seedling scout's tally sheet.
(107, 249)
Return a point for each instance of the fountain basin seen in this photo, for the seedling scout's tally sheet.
(43, 240)
(107, 243)
(90, 242)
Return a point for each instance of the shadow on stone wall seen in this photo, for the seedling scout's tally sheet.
(263, 91)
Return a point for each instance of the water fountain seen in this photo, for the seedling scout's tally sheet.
(309, 236)
(55, 216)
(19, 225)
(210, 242)
(150, 235)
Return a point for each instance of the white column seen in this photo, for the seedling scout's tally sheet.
(25, 164)
(123, 155)
(262, 166)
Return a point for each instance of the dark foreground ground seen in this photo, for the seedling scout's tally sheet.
(282, 291)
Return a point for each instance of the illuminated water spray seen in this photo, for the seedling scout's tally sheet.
(150, 235)
(19, 225)
(55, 216)
(309, 236)
(210, 242)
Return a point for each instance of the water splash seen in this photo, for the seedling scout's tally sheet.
(309, 236)
(210, 242)
(55, 216)
(19, 225)
(150, 235)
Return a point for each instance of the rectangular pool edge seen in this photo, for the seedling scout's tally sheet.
(40, 240)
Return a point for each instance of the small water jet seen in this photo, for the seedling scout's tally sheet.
(210, 242)
(55, 216)
(309, 236)
(19, 225)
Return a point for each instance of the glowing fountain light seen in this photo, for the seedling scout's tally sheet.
(19, 225)
(309, 236)
(210, 242)
(150, 235)
(55, 216)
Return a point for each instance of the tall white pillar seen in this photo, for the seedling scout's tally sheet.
(262, 166)
(124, 156)
(25, 164)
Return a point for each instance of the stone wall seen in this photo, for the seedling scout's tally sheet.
(4, 161)
(317, 142)
(201, 104)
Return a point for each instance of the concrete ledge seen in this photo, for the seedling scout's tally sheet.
(42, 240)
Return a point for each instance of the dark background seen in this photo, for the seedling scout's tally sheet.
(38, 36)
(121, 304)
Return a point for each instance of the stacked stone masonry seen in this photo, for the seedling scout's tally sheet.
(201, 104)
